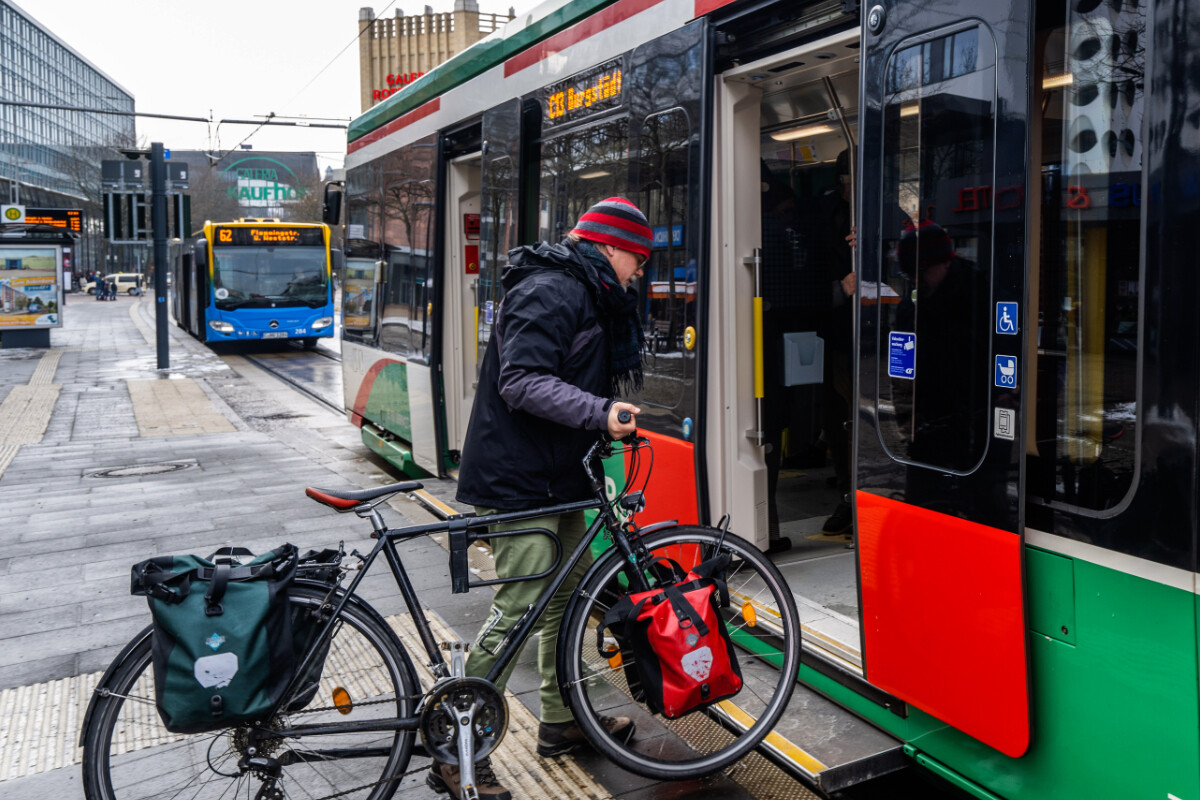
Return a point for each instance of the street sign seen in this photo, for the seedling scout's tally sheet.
(12, 215)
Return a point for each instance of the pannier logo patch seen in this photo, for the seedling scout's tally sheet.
(691, 640)
(217, 671)
(215, 641)
(698, 663)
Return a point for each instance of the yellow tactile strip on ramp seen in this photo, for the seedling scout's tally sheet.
(175, 407)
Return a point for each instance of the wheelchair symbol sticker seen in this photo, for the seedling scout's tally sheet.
(1006, 372)
(1006, 318)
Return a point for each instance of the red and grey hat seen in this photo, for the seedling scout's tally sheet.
(618, 222)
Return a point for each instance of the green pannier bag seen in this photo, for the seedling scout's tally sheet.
(222, 646)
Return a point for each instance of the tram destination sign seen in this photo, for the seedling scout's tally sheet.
(582, 95)
(251, 235)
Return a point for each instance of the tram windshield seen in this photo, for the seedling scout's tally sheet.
(270, 277)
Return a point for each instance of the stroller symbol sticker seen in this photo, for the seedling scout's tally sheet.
(1006, 371)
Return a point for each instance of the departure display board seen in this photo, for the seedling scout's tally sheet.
(70, 219)
(251, 235)
(585, 94)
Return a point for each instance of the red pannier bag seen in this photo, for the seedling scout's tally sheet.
(675, 650)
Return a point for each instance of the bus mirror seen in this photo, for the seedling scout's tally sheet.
(337, 261)
(331, 212)
(200, 253)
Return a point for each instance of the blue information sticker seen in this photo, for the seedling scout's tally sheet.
(488, 311)
(1006, 372)
(902, 355)
(1006, 318)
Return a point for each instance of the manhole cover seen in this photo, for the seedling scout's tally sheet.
(141, 470)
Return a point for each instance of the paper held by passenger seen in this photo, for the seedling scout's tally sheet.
(872, 293)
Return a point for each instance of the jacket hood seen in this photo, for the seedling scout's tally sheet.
(530, 259)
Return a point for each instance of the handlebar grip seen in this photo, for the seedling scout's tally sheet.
(624, 416)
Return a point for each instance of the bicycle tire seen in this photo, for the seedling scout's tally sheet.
(129, 755)
(705, 740)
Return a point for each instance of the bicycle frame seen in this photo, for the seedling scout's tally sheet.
(458, 530)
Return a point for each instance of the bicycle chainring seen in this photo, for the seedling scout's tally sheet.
(449, 701)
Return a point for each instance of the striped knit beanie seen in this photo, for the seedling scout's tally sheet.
(618, 222)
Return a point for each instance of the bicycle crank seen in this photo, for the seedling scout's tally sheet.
(463, 714)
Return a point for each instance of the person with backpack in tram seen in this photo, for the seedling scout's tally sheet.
(567, 340)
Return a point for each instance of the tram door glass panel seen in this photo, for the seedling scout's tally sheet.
(405, 324)
(579, 169)
(364, 231)
(933, 378)
(499, 213)
(1091, 84)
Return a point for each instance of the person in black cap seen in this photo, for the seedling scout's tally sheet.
(567, 339)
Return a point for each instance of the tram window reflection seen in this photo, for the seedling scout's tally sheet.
(1083, 448)
(933, 387)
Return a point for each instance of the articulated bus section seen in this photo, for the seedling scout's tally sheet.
(1001, 397)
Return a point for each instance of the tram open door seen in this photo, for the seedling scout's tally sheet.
(941, 352)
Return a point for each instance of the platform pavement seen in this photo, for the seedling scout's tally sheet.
(95, 401)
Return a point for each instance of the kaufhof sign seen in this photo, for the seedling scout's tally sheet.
(395, 83)
(262, 181)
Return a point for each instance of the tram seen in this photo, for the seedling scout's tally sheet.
(1014, 606)
(256, 279)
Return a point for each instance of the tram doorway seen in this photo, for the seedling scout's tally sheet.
(787, 127)
(462, 277)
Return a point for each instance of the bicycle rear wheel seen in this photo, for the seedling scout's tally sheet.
(129, 755)
(761, 619)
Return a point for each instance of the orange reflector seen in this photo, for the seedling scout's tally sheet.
(749, 614)
(614, 660)
(342, 701)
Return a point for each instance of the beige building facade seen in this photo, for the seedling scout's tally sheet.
(395, 51)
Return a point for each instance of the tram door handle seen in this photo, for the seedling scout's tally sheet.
(754, 262)
(475, 344)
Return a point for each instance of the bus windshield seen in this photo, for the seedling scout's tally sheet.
(270, 277)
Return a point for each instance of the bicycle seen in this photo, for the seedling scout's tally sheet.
(357, 735)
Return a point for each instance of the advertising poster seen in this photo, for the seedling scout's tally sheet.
(358, 295)
(29, 287)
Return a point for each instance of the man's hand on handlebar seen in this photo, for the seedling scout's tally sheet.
(622, 420)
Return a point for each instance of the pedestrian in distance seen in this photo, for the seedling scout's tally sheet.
(566, 341)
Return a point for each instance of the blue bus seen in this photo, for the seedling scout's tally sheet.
(255, 279)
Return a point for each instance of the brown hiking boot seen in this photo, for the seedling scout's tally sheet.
(444, 779)
(556, 738)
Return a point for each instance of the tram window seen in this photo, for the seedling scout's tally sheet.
(500, 217)
(363, 232)
(1083, 452)
(668, 285)
(932, 387)
(579, 169)
(405, 326)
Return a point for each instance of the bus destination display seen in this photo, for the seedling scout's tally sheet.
(273, 235)
(587, 93)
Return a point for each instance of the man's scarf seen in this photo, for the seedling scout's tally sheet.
(618, 307)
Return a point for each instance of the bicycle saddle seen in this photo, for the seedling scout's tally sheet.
(347, 499)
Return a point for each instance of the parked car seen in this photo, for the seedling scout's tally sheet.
(129, 282)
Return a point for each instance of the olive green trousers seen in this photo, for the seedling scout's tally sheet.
(529, 555)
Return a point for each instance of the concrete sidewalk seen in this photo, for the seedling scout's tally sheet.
(106, 460)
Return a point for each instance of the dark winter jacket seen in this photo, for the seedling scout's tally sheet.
(542, 388)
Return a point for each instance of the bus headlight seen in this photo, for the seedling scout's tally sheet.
(323, 322)
(220, 327)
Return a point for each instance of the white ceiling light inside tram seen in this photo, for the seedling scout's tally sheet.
(596, 173)
(801, 133)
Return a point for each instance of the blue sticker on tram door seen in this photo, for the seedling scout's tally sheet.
(902, 355)
(1006, 371)
(488, 311)
(1006, 318)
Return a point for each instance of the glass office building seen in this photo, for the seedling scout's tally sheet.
(53, 151)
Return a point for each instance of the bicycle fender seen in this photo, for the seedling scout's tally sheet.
(134, 643)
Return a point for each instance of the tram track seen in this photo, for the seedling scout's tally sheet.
(273, 370)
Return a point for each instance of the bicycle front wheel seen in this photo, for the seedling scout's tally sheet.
(763, 623)
(129, 755)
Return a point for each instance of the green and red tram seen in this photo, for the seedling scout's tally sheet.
(1015, 606)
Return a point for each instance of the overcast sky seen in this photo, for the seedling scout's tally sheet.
(233, 59)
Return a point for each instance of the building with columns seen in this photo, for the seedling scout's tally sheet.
(395, 51)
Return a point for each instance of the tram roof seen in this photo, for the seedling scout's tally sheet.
(514, 37)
